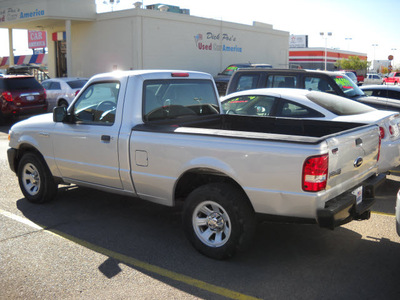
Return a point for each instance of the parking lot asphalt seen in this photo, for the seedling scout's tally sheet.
(89, 244)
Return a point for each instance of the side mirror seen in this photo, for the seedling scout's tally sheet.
(59, 114)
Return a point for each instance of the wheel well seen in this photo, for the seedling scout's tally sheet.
(194, 178)
(22, 150)
(61, 100)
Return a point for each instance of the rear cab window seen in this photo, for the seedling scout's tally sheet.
(174, 98)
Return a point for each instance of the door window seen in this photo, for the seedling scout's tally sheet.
(291, 109)
(247, 82)
(318, 84)
(97, 104)
(281, 81)
(253, 105)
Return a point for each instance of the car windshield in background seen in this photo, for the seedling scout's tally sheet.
(338, 105)
(347, 85)
(230, 70)
(22, 83)
(76, 84)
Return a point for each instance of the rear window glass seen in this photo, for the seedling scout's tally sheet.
(170, 99)
(349, 88)
(23, 83)
(339, 105)
(76, 84)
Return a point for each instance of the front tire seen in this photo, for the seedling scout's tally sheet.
(35, 179)
(218, 220)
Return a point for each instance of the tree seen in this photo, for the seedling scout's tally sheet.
(353, 63)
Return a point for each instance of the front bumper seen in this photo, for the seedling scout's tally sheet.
(12, 155)
(343, 208)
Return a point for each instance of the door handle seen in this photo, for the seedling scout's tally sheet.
(106, 138)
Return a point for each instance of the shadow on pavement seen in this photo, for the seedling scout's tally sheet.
(286, 261)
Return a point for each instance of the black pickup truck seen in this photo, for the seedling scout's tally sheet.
(324, 81)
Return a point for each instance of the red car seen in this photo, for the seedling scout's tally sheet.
(21, 95)
(393, 78)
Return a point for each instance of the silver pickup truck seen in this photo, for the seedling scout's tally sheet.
(159, 136)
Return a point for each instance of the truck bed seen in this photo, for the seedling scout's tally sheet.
(280, 129)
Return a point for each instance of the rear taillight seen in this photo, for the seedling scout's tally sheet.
(391, 130)
(7, 96)
(315, 173)
(379, 148)
(77, 92)
(382, 132)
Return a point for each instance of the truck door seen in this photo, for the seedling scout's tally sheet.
(86, 148)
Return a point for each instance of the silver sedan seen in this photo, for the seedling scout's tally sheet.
(61, 91)
(299, 103)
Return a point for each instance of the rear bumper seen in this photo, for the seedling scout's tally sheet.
(13, 110)
(343, 208)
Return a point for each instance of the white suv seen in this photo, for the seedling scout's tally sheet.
(373, 79)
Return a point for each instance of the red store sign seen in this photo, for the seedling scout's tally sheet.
(37, 39)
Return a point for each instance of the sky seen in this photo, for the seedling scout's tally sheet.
(355, 25)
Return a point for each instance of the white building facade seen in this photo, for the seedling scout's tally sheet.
(82, 42)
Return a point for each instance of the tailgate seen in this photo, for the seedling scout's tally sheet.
(353, 156)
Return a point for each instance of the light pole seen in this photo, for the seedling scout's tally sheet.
(393, 49)
(348, 42)
(326, 38)
(373, 63)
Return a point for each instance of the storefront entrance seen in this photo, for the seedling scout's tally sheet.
(61, 58)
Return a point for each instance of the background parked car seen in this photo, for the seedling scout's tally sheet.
(373, 79)
(296, 103)
(222, 79)
(21, 95)
(392, 78)
(323, 81)
(385, 91)
(61, 91)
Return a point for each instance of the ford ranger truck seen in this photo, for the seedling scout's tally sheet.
(159, 136)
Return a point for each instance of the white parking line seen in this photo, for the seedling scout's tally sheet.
(19, 219)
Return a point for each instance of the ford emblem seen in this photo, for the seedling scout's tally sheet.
(358, 162)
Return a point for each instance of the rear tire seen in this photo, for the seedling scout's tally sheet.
(218, 220)
(35, 179)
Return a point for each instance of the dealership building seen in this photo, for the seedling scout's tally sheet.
(303, 57)
(81, 42)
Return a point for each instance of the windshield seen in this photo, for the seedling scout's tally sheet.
(230, 70)
(339, 105)
(349, 88)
